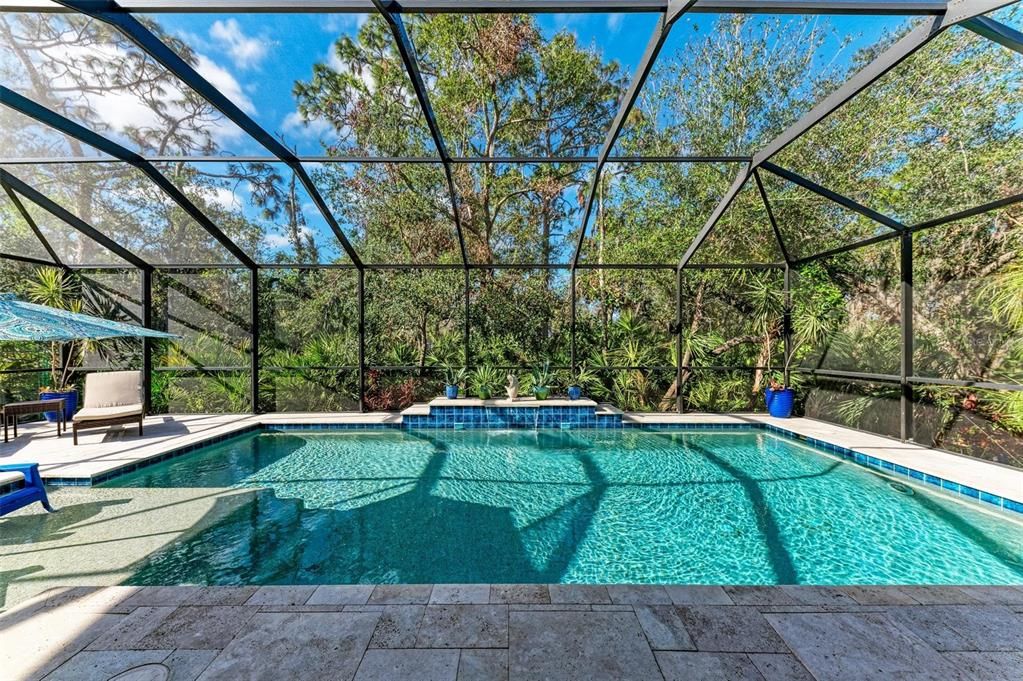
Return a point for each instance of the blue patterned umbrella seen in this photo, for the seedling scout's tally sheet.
(21, 321)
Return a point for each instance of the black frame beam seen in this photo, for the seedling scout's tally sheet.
(426, 160)
(54, 120)
(671, 14)
(407, 52)
(955, 12)
(27, 217)
(58, 211)
(908, 7)
(832, 196)
(1006, 36)
(113, 14)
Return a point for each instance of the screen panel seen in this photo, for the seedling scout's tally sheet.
(940, 133)
(728, 83)
(650, 212)
(86, 70)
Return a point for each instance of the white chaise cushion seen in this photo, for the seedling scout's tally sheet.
(101, 413)
(7, 477)
(112, 389)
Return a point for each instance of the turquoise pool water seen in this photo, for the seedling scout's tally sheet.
(733, 507)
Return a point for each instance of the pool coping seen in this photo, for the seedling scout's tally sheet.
(648, 422)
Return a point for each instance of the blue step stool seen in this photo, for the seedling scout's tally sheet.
(33, 489)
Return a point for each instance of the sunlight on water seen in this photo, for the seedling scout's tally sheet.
(569, 506)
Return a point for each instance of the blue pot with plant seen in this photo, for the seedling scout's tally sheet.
(780, 400)
(70, 397)
(453, 377)
(582, 378)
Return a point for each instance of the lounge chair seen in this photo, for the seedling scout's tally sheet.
(20, 485)
(111, 398)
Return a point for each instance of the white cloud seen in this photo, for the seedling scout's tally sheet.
(297, 124)
(343, 23)
(278, 241)
(614, 22)
(245, 51)
(223, 80)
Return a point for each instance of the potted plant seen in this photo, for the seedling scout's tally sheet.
(582, 378)
(541, 379)
(811, 329)
(485, 380)
(453, 377)
(50, 288)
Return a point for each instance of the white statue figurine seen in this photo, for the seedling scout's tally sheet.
(513, 386)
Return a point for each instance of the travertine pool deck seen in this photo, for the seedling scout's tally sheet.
(517, 632)
(105, 450)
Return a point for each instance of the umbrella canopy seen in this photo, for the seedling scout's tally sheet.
(21, 321)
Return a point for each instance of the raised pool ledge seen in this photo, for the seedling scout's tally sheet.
(443, 413)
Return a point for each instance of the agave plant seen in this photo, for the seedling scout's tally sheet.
(541, 378)
(485, 380)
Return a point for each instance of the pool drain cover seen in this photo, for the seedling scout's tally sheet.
(900, 488)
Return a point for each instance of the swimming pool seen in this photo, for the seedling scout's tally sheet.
(600, 506)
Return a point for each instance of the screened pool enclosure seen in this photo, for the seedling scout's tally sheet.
(329, 199)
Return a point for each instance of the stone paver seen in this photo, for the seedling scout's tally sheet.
(862, 646)
(519, 593)
(707, 667)
(879, 595)
(281, 595)
(664, 627)
(698, 595)
(198, 627)
(578, 593)
(93, 665)
(401, 594)
(734, 628)
(481, 664)
(296, 646)
(132, 628)
(782, 634)
(450, 594)
(423, 665)
(345, 594)
(989, 666)
(578, 645)
(989, 628)
(776, 667)
(102, 665)
(464, 626)
(397, 627)
(760, 595)
(638, 594)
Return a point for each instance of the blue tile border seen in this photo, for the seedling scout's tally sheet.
(558, 418)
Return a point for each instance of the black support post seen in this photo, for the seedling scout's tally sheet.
(361, 292)
(678, 341)
(906, 368)
(465, 338)
(786, 321)
(572, 330)
(254, 328)
(147, 343)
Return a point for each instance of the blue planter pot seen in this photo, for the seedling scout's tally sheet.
(574, 392)
(780, 402)
(70, 404)
(451, 391)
